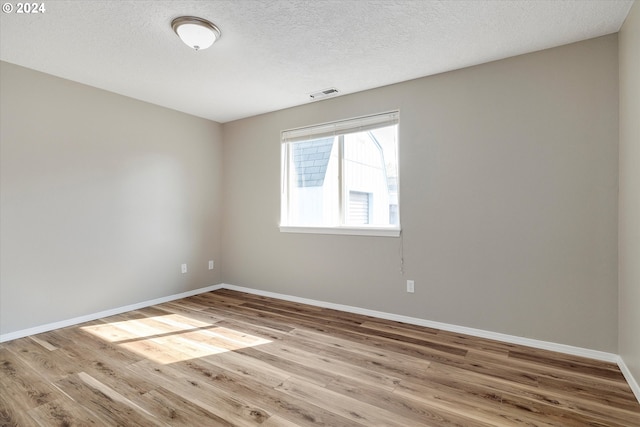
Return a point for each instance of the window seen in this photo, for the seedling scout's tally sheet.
(342, 177)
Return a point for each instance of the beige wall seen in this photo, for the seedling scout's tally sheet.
(103, 197)
(509, 175)
(629, 204)
(509, 210)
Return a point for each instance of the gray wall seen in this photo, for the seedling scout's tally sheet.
(509, 210)
(103, 197)
(629, 204)
(509, 174)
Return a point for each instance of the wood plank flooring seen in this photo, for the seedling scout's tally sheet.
(227, 358)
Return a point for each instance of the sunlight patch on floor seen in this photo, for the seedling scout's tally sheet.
(173, 338)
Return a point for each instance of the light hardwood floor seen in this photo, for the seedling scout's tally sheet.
(227, 358)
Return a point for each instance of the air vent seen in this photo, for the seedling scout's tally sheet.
(323, 94)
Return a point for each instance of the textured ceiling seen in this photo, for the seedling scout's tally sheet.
(274, 53)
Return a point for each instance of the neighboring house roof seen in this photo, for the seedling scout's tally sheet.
(311, 159)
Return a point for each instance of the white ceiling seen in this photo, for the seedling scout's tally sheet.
(274, 53)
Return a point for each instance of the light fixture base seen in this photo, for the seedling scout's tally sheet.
(197, 33)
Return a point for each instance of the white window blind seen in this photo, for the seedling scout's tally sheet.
(342, 127)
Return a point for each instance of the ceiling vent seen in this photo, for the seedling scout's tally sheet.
(323, 94)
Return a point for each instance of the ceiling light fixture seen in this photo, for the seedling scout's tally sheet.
(197, 33)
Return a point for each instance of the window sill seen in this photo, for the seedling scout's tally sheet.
(351, 231)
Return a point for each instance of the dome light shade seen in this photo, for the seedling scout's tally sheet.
(197, 33)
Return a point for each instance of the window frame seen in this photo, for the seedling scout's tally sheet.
(336, 128)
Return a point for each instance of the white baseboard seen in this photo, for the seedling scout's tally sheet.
(545, 345)
(93, 316)
(635, 388)
(513, 339)
(562, 348)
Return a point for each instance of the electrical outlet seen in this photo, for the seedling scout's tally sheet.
(211, 265)
(184, 268)
(410, 286)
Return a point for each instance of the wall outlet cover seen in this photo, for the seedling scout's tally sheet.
(410, 286)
